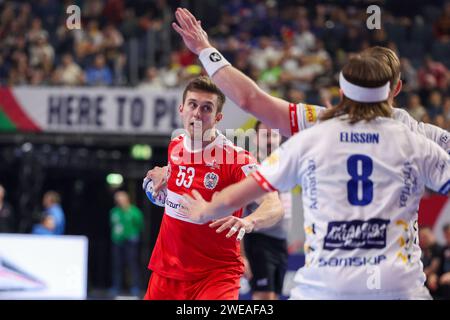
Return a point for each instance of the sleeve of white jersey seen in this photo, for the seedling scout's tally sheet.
(438, 135)
(432, 132)
(303, 116)
(280, 171)
(436, 167)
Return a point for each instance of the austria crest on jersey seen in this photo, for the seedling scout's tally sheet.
(211, 180)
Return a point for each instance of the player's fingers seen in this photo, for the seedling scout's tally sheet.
(218, 222)
(182, 19)
(226, 225)
(197, 195)
(158, 186)
(187, 199)
(191, 23)
(233, 229)
(184, 206)
(241, 234)
(178, 29)
(190, 18)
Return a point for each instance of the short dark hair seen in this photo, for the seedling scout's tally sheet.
(205, 84)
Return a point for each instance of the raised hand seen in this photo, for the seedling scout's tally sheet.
(190, 29)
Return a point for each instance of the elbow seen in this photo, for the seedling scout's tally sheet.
(243, 104)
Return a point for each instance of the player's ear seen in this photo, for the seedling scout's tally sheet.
(180, 107)
(219, 116)
(398, 88)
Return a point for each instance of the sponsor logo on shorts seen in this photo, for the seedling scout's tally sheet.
(356, 234)
(351, 261)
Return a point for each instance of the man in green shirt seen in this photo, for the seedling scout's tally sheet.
(126, 222)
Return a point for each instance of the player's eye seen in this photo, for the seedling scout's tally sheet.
(207, 108)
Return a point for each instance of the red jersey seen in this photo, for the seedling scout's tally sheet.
(186, 250)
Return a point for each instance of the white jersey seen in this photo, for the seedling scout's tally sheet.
(304, 116)
(362, 185)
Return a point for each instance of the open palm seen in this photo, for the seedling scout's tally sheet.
(190, 29)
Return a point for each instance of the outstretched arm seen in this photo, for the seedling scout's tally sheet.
(223, 203)
(234, 84)
(269, 212)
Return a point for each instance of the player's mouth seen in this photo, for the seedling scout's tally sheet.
(195, 124)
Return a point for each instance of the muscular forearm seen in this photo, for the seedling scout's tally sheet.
(244, 92)
(268, 213)
(234, 197)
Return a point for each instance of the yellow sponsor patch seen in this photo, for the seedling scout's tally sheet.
(401, 242)
(402, 257)
(273, 159)
(311, 114)
(402, 223)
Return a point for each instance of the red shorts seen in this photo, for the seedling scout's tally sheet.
(216, 286)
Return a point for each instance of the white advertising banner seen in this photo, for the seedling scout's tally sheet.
(43, 267)
(101, 110)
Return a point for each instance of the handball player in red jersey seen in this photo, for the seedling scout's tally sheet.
(192, 261)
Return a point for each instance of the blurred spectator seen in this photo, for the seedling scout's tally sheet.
(440, 121)
(42, 53)
(353, 39)
(68, 72)
(415, 107)
(36, 31)
(126, 225)
(264, 53)
(89, 40)
(99, 74)
(304, 38)
(431, 258)
(112, 41)
(409, 75)
(114, 11)
(446, 109)
(275, 42)
(53, 219)
(152, 79)
(434, 104)
(441, 27)
(444, 279)
(93, 9)
(7, 218)
(433, 75)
